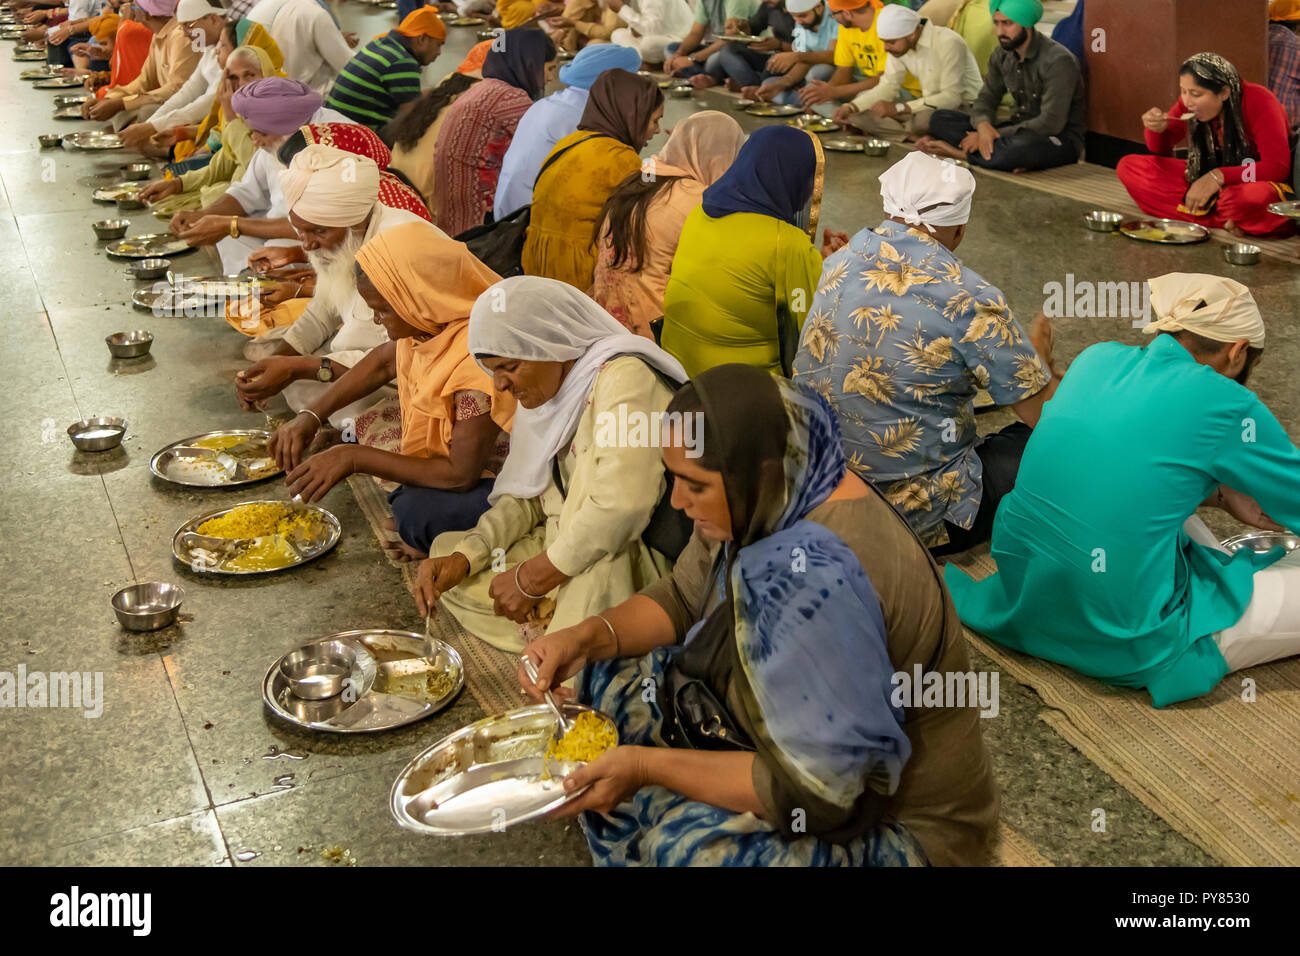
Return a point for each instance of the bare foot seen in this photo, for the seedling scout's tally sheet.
(1235, 229)
(396, 548)
(702, 81)
(937, 147)
(733, 86)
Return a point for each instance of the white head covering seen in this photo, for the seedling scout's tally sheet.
(188, 11)
(330, 187)
(1219, 309)
(925, 191)
(545, 320)
(800, 6)
(896, 21)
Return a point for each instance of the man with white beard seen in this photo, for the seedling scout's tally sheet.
(333, 203)
(252, 213)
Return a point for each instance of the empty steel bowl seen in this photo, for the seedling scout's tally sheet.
(681, 92)
(876, 147)
(318, 671)
(126, 345)
(150, 268)
(147, 607)
(128, 203)
(97, 434)
(136, 171)
(1101, 221)
(1242, 254)
(50, 140)
(111, 228)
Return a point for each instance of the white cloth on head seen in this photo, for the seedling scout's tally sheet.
(187, 11)
(925, 191)
(545, 320)
(801, 6)
(330, 187)
(893, 22)
(1211, 306)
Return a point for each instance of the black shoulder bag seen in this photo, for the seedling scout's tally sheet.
(499, 244)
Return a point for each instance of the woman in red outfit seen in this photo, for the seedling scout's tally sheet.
(1238, 158)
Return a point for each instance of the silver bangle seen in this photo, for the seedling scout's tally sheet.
(520, 588)
(308, 411)
(618, 647)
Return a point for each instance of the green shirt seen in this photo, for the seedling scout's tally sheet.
(376, 81)
(1094, 568)
(715, 13)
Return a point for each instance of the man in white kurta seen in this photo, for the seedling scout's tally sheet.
(940, 60)
(651, 25)
(315, 50)
(202, 21)
(333, 200)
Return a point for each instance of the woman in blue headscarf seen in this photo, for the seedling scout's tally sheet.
(746, 268)
(753, 689)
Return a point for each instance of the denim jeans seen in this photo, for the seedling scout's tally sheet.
(790, 97)
(1022, 149)
(738, 63)
(695, 69)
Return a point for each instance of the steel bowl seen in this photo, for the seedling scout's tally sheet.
(318, 671)
(50, 140)
(150, 268)
(1099, 220)
(680, 92)
(136, 172)
(97, 434)
(147, 607)
(111, 228)
(128, 345)
(70, 99)
(1242, 254)
(130, 203)
(876, 147)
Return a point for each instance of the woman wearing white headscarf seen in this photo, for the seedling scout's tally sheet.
(590, 394)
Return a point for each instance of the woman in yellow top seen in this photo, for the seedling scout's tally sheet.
(746, 268)
(581, 172)
(577, 491)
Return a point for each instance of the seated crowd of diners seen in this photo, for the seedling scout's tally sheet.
(755, 539)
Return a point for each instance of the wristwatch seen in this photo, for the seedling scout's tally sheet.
(234, 227)
(326, 371)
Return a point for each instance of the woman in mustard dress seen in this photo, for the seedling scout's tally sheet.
(622, 114)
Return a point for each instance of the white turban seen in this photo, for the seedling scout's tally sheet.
(896, 21)
(800, 6)
(924, 191)
(1217, 308)
(330, 187)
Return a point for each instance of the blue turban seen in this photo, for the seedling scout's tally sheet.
(594, 60)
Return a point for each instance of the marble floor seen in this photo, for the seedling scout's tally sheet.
(175, 770)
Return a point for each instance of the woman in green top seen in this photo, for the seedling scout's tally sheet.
(746, 269)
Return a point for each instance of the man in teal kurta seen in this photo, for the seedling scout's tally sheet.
(1102, 564)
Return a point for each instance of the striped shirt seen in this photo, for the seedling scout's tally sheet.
(376, 81)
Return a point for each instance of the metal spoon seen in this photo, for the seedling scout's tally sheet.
(565, 724)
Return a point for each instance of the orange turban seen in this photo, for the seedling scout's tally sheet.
(838, 5)
(475, 57)
(423, 22)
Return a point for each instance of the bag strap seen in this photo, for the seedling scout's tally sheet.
(554, 156)
(671, 383)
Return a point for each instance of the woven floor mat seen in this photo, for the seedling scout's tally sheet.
(1015, 850)
(489, 673)
(1221, 770)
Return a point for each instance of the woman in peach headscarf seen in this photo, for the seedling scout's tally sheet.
(454, 424)
(641, 221)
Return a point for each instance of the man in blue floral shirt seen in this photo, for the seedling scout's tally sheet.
(900, 337)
